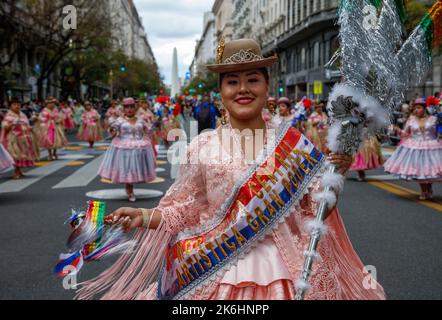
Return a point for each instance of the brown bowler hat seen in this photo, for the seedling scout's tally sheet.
(240, 55)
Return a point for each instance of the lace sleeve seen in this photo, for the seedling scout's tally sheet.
(307, 204)
(184, 201)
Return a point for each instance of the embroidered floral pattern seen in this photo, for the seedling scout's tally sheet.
(242, 56)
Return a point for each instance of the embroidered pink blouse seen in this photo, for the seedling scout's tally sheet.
(417, 137)
(90, 118)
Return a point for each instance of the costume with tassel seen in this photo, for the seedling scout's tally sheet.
(51, 129)
(19, 140)
(90, 128)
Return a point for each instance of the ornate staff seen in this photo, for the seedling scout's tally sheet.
(377, 75)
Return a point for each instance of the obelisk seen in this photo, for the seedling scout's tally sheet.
(175, 80)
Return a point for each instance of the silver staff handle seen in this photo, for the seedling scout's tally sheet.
(315, 236)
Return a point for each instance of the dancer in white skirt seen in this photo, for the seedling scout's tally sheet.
(130, 158)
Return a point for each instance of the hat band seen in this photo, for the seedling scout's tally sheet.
(242, 56)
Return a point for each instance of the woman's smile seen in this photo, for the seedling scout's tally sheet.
(243, 100)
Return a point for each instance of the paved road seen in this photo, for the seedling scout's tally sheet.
(388, 227)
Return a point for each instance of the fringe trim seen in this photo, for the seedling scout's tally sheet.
(133, 273)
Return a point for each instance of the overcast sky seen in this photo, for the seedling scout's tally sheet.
(173, 23)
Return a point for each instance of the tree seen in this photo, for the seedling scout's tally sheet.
(203, 82)
(139, 76)
(41, 28)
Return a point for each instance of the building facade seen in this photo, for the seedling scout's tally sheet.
(206, 46)
(24, 69)
(222, 10)
(128, 31)
(304, 34)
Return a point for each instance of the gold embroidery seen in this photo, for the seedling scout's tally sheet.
(220, 51)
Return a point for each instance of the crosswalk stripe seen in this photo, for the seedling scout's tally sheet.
(83, 176)
(32, 177)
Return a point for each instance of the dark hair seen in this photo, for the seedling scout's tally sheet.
(264, 72)
(14, 100)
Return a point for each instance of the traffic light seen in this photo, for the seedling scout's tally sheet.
(200, 86)
(123, 68)
(187, 92)
(191, 90)
(281, 88)
(161, 91)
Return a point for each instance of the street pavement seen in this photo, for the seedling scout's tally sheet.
(389, 228)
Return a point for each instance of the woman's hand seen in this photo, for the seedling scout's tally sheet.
(341, 161)
(130, 218)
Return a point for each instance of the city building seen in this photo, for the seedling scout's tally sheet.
(222, 10)
(206, 46)
(303, 33)
(128, 30)
(25, 67)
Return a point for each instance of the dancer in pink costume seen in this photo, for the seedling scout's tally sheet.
(207, 176)
(112, 114)
(51, 129)
(284, 106)
(144, 112)
(419, 156)
(130, 158)
(90, 128)
(317, 127)
(69, 121)
(369, 157)
(18, 139)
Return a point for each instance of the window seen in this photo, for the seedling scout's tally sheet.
(316, 55)
(303, 58)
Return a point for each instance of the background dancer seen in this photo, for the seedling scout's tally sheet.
(130, 158)
(419, 157)
(18, 139)
(90, 128)
(51, 130)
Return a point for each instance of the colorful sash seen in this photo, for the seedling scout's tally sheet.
(263, 198)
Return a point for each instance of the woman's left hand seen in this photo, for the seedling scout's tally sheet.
(341, 161)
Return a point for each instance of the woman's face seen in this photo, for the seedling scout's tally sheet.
(51, 106)
(130, 110)
(15, 107)
(283, 109)
(88, 106)
(244, 94)
(419, 110)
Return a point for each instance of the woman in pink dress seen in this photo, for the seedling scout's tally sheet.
(130, 158)
(317, 127)
(90, 128)
(419, 156)
(144, 112)
(284, 106)
(18, 139)
(369, 157)
(51, 130)
(69, 121)
(112, 114)
(197, 200)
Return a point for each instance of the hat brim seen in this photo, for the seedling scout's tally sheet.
(224, 68)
